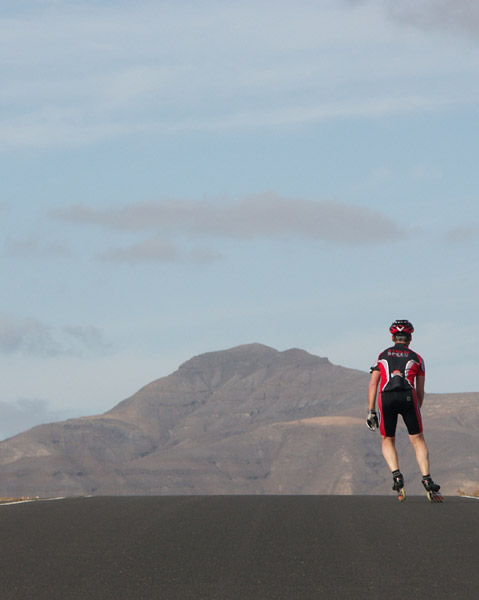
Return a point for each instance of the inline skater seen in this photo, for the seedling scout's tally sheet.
(399, 373)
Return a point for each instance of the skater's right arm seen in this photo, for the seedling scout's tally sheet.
(372, 419)
(373, 389)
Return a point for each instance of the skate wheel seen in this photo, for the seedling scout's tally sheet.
(434, 497)
(401, 495)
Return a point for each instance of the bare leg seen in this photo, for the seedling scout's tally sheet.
(389, 452)
(422, 454)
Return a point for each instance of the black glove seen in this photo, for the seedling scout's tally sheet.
(372, 420)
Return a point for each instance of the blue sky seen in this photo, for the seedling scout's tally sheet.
(182, 177)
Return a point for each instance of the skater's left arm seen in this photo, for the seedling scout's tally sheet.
(420, 385)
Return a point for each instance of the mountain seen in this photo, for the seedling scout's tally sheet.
(249, 420)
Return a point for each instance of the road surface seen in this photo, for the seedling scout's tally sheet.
(239, 548)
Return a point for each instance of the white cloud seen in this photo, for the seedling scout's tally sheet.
(158, 249)
(426, 172)
(458, 16)
(260, 216)
(24, 413)
(78, 73)
(33, 337)
(152, 249)
(464, 234)
(35, 247)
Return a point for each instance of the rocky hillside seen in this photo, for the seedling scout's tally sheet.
(249, 420)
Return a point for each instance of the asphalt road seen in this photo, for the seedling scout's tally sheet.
(239, 548)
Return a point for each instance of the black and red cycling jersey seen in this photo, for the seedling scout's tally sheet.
(399, 366)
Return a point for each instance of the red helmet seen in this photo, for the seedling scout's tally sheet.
(401, 326)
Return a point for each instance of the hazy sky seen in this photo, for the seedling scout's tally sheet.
(180, 177)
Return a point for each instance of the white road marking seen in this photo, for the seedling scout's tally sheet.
(31, 500)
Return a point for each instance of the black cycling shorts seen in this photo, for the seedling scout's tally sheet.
(404, 403)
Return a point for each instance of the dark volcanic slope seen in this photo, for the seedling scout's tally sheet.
(240, 548)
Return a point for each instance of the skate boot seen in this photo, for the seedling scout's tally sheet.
(398, 486)
(432, 490)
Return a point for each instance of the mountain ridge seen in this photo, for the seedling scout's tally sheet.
(248, 420)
